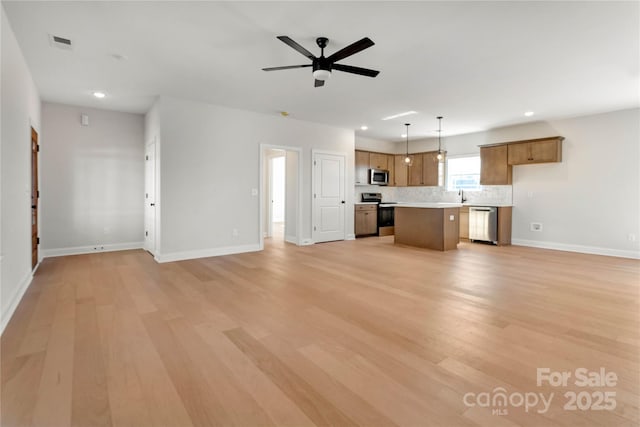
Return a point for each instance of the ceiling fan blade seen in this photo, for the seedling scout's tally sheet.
(352, 49)
(286, 67)
(318, 83)
(355, 70)
(296, 46)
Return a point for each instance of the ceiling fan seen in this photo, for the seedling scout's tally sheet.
(322, 66)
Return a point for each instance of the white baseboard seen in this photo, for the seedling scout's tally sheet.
(594, 250)
(351, 237)
(205, 253)
(307, 242)
(79, 250)
(291, 239)
(7, 312)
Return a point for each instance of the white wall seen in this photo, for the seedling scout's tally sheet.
(209, 165)
(372, 144)
(20, 110)
(93, 192)
(591, 201)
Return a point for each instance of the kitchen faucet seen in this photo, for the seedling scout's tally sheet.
(461, 194)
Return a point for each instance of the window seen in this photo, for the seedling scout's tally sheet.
(463, 173)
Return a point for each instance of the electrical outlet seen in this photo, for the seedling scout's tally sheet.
(536, 226)
(235, 232)
(452, 218)
(254, 191)
(631, 237)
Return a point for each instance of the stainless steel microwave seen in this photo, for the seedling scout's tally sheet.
(378, 177)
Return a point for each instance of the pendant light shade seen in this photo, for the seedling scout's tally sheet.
(408, 160)
(440, 152)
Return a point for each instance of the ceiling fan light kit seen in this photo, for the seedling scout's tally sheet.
(321, 65)
(321, 74)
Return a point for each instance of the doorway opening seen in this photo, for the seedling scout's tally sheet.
(280, 206)
(277, 190)
(150, 198)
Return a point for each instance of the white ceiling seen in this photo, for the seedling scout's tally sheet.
(479, 64)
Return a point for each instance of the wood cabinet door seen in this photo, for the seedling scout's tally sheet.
(546, 151)
(400, 172)
(415, 170)
(430, 169)
(366, 222)
(378, 161)
(518, 154)
(362, 167)
(494, 169)
(392, 169)
(538, 151)
(464, 222)
(504, 225)
(371, 219)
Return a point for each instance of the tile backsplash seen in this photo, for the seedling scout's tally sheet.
(489, 195)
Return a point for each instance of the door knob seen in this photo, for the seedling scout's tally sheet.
(152, 204)
(342, 202)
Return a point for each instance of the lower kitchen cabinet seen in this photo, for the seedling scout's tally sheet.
(366, 220)
(464, 222)
(504, 225)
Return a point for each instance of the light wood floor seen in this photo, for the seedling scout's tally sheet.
(347, 333)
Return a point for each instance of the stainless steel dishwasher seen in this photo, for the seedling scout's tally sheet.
(483, 224)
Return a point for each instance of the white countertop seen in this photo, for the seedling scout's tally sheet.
(491, 205)
(429, 205)
(366, 203)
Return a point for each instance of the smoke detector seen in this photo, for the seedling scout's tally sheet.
(60, 42)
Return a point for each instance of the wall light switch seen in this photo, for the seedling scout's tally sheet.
(254, 191)
(452, 218)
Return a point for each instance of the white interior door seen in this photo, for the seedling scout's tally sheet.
(328, 197)
(150, 199)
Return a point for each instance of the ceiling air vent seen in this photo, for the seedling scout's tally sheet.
(60, 42)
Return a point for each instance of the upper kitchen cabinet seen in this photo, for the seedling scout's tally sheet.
(401, 171)
(430, 169)
(379, 161)
(543, 150)
(415, 170)
(495, 170)
(362, 167)
(392, 169)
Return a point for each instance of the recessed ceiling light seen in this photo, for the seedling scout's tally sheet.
(395, 116)
(119, 57)
(529, 113)
(99, 95)
(364, 127)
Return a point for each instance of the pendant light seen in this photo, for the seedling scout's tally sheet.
(408, 160)
(440, 152)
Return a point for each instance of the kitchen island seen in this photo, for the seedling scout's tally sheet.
(428, 225)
